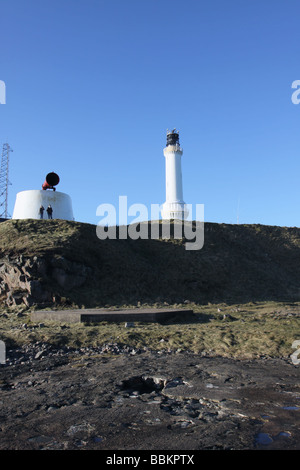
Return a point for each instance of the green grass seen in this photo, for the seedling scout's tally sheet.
(247, 331)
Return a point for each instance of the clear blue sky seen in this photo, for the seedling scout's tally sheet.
(93, 85)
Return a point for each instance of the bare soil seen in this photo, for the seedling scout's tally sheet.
(89, 400)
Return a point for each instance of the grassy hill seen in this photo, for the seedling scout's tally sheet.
(243, 286)
(55, 262)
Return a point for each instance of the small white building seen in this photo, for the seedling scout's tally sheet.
(33, 204)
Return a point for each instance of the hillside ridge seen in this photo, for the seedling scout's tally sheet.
(62, 263)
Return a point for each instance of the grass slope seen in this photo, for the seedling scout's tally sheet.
(238, 263)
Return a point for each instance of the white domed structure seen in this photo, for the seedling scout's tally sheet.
(33, 204)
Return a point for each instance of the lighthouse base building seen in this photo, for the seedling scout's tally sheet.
(174, 210)
(44, 203)
(29, 203)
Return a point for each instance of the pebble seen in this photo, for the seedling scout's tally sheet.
(40, 350)
(38, 354)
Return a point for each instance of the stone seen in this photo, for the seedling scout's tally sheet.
(39, 354)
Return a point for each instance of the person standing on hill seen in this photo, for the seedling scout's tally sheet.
(49, 212)
(42, 212)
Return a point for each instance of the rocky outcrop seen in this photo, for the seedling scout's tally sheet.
(38, 281)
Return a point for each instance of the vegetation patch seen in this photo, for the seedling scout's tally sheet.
(266, 329)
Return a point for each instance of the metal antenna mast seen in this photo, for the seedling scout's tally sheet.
(4, 182)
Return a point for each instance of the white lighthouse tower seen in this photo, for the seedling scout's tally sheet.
(174, 207)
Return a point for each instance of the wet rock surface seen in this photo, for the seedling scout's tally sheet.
(112, 398)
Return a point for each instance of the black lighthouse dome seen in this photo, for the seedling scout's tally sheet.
(173, 137)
